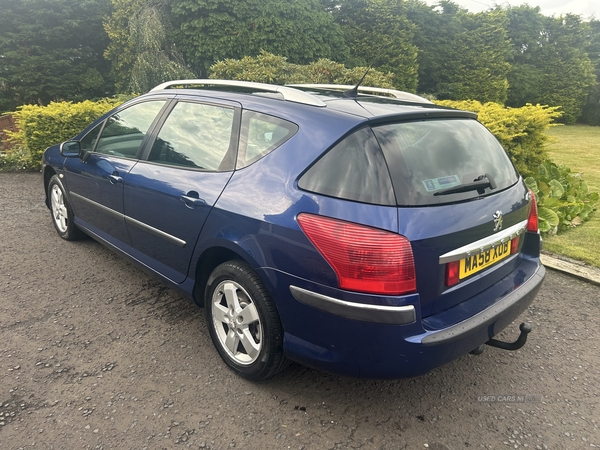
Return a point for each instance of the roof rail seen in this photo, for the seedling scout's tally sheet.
(400, 95)
(288, 93)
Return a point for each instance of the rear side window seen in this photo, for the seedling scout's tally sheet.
(429, 157)
(354, 169)
(261, 134)
(195, 135)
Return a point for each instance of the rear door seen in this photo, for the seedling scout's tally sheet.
(169, 194)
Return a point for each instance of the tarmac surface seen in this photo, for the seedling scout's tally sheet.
(95, 354)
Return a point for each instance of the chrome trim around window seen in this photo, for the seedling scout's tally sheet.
(129, 220)
(392, 315)
(483, 245)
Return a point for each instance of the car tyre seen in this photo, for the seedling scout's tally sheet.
(243, 321)
(61, 211)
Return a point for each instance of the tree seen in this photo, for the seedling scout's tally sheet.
(121, 50)
(550, 65)
(461, 55)
(379, 34)
(591, 109)
(52, 50)
(156, 61)
(142, 51)
(213, 30)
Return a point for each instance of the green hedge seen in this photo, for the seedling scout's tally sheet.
(521, 131)
(270, 68)
(563, 198)
(42, 126)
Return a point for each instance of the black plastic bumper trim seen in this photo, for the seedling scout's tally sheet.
(392, 315)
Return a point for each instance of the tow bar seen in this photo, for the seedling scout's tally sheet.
(520, 342)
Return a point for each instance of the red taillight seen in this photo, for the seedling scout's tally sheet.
(452, 273)
(532, 221)
(365, 259)
(514, 245)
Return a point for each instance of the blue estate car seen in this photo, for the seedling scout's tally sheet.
(361, 231)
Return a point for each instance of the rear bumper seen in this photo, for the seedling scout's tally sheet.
(510, 306)
(358, 340)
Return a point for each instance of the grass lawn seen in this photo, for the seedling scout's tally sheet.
(578, 147)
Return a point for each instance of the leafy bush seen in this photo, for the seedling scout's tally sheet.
(42, 126)
(521, 131)
(15, 160)
(270, 68)
(563, 198)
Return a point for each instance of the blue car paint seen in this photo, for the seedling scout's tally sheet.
(92, 181)
(327, 342)
(151, 184)
(255, 219)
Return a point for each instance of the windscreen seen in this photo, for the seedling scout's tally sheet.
(431, 161)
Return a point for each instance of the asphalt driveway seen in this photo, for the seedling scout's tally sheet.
(96, 354)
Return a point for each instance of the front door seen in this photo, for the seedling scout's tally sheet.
(96, 181)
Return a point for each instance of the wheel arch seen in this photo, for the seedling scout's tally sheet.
(207, 262)
(49, 172)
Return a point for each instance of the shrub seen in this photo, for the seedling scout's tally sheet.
(270, 68)
(521, 131)
(564, 200)
(42, 126)
(14, 160)
(563, 197)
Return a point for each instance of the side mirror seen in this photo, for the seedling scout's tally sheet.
(70, 149)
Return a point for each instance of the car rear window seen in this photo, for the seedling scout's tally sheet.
(426, 158)
(354, 169)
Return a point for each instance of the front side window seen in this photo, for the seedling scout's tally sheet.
(195, 135)
(88, 142)
(431, 160)
(124, 131)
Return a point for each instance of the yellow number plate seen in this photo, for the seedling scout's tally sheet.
(476, 263)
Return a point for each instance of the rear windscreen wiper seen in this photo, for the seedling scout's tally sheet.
(479, 184)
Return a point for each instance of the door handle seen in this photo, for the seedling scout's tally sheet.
(114, 178)
(192, 199)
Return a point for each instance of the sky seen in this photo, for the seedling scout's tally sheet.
(585, 8)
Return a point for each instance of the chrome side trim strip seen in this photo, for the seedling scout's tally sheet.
(154, 231)
(393, 315)
(483, 245)
(106, 209)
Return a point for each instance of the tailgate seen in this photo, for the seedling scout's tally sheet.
(476, 233)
